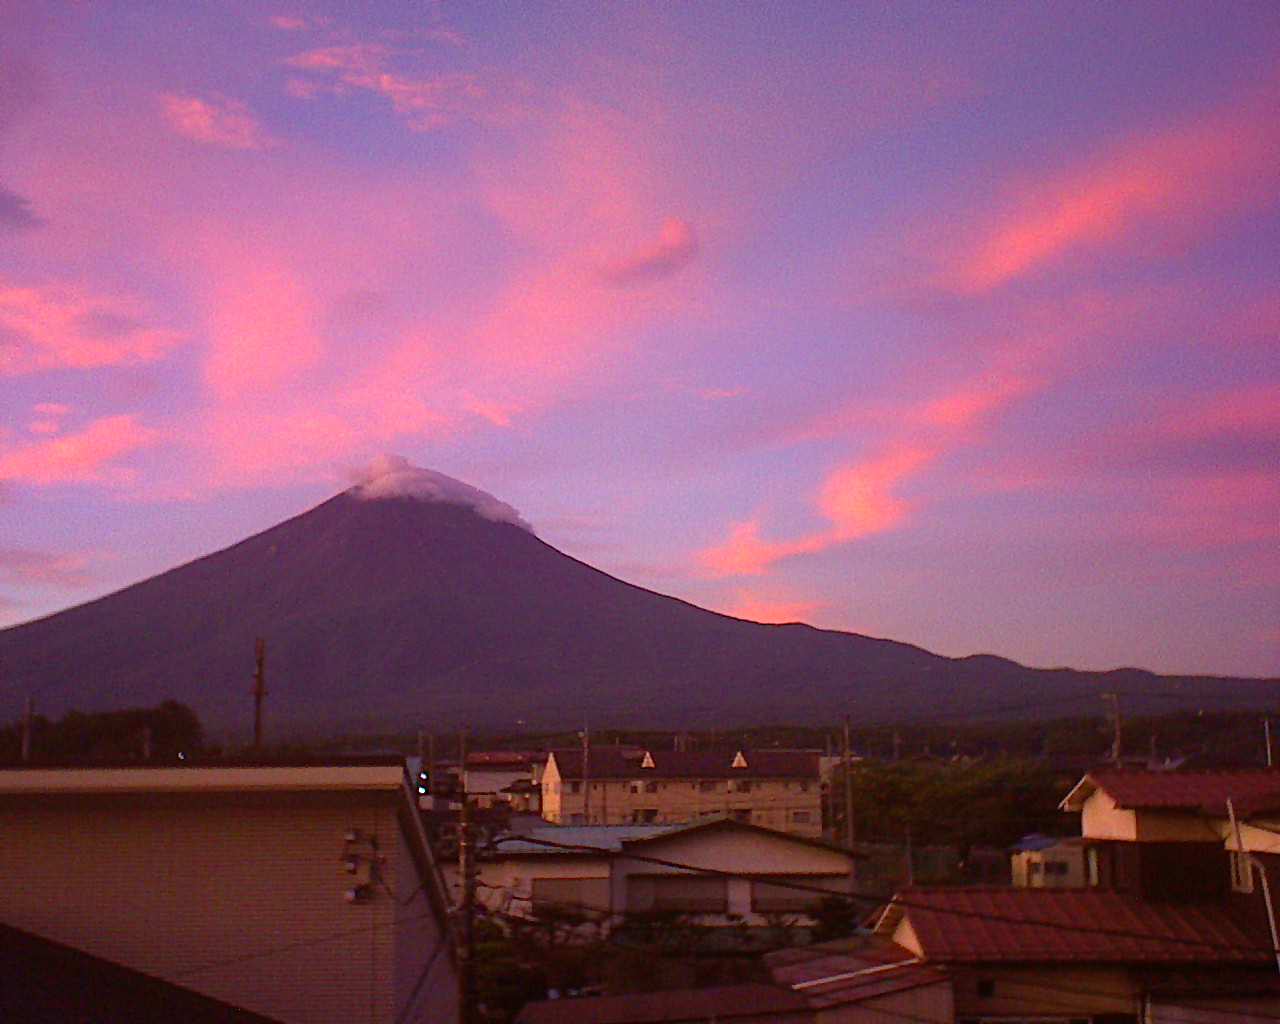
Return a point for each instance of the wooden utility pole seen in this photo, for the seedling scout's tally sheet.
(1114, 702)
(1266, 734)
(847, 761)
(28, 723)
(586, 774)
(467, 875)
(259, 688)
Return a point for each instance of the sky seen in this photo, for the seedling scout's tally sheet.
(954, 324)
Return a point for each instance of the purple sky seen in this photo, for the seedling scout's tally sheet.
(956, 324)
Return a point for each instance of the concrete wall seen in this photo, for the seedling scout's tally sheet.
(241, 897)
(1030, 868)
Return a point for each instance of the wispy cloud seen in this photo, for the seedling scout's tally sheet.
(426, 102)
(87, 456)
(675, 246)
(68, 327)
(23, 565)
(214, 121)
(760, 607)
(1170, 178)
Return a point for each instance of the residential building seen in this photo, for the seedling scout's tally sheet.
(1048, 862)
(773, 789)
(303, 892)
(751, 876)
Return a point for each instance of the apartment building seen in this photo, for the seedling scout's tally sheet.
(776, 789)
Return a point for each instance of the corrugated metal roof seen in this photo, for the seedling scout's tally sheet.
(993, 924)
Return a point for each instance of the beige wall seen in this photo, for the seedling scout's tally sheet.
(240, 897)
(1100, 818)
(787, 805)
(1028, 877)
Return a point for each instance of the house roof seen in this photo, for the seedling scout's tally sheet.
(617, 838)
(852, 970)
(986, 924)
(626, 763)
(1251, 791)
(750, 1001)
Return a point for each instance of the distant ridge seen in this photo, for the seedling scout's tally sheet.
(403, 606)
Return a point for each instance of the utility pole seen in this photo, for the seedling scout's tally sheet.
(467, 874)
(848, 788)
(586, 774)
(1114, 702)
(28, 722)
(1266, 733)
(897, 745)
(911, 860)
(259, 688)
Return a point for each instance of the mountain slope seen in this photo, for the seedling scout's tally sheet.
(394, 611)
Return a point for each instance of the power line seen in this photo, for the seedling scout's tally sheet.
(877, 900)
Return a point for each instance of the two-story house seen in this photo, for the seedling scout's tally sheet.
(776, 789)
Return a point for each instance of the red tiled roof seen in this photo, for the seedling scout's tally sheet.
(728, 1002)
(992, 924)
(1249, 791)
(624, 763)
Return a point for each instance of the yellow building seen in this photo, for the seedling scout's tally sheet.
(777, 789)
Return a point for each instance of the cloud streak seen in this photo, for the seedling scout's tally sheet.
(69, 327)
(214, 121)
(89, 456)
(675, 246)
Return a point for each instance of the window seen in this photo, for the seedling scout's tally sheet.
(774, 895)
(804, 787)
(1035, 867)
(691, 893)
(651, 787)
(575, 787)
(742, 786)
(1056, 867)
(644, 816)
(1241, 872)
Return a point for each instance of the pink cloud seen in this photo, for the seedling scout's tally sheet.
(1175, 177)
(426, 102)
(20, 565)
(66, 327)
(217, 121)
(674, 247)
(287, 23)
(862, 498)
(84, 457)
(756, 607)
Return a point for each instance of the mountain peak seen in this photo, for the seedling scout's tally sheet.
(394, 476)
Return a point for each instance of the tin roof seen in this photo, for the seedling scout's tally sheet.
(999, 924)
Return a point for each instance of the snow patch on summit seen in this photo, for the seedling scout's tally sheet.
(394, 476)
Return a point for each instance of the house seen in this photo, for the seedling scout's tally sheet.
(776, 789)
(297, 892)
(1048, 862)
(1173, 923)
(730, 872)
(1088, 955)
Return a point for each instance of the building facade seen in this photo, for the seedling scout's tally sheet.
(778, 790)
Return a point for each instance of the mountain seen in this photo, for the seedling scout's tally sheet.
(410, 601)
